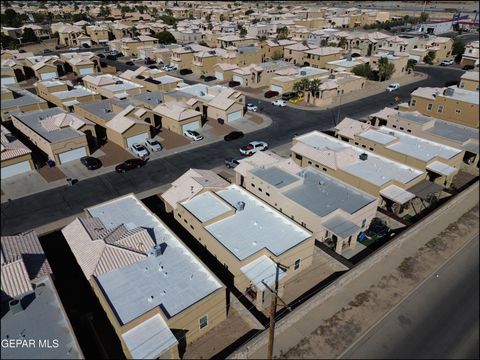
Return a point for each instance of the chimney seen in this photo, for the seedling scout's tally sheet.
(15, 306)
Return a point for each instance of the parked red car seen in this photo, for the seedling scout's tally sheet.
(269, 94)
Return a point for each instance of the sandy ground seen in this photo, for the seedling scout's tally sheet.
(339, 331)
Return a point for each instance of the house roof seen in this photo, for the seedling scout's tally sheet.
(122, 121)
(190, 184)
(12, 147)
(176, 111)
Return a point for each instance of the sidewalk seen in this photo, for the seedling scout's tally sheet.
(327, 324)
(32, 182)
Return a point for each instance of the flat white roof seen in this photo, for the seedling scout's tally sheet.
(375, 169)
(206, 206)
(174, 280)
(149, 339)
(397, 194)
(255, 227)
(260, 270)
(417, 147)
(441, 168)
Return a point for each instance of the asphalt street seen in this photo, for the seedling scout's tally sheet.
(439, 320)
(42, 208)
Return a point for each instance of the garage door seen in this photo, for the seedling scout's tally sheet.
(238, 78)
(49, 75)
(137, 139)
(87, 71)
(191, 126)
(276, 88)
(15, 169)
(8, 80)
(219, 75)
(71, 155)
(234, 116)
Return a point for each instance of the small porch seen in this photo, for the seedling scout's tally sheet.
(341, 233)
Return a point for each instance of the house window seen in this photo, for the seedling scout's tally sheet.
(401, 128)
(185, 221)
(191, 227)
(370, 148)
(203, 322)
(309, 163)
(316, 165)
(260, 189)
(458, 111)
(253, 185)
(267, 194)
(440, 109)
(395, 126)
(324, 169)
(297, 264)
(408, 130)
(429, 107)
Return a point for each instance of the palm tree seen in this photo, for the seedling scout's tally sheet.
(301, 85)
(343, 43)
(385, 69)
(313, 87)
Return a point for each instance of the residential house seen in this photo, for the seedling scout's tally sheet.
(204, 62)
(273, 49)
(222, 220)
(65, 97)
(120, 122)
(85, 63)
(259, 75)
(224, 71)
(112, 87)
(333, 87)
(62, 136)
(440, 162)
(335, 212)
(98, 33)
(19, 100)
(470, 55)
(11, 72)
(157, 295)
(72, 35)
(452, 104)
(128, 46)
(236, 40)
(152, 79)
(287, 78)
(16, 157)
(31, 305)
(214, 102)
(177, 117)
(399, 60)
(377, 175)
(183, 57)
(43, 67)
(319, 57)
(295, 53)
(443, 132)
(469, 81)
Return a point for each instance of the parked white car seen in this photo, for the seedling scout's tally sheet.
(74, 48)
(192, 134)
(169, 67)
(251, 107)
(139, 150)
(279, 102)
(253, 147)
(446, 62)
(393, 87)
(153, 145)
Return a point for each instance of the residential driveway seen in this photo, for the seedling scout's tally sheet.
(114, 154)
(171, 140)
(51, 174)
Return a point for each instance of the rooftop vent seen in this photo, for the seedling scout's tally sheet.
(159, 249)
(449, 91)
(15, 306)
(349, 57)
(363, 156)
(118, 82)
(240, 205)
(391, 133)
(107, 110)
(303, 73)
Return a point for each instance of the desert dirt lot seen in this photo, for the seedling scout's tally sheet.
(340, 330)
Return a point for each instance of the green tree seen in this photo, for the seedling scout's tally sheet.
(104, 12)
(29, 35)
(222, 18)
(428, 59)
(8, 42)
(324, 42)
(363, 70)
(423, 17)
(135, 31)
(10, 18)
(282, 33)
(262, 38)
(277, 55)
(243, 32)
(249, 11)
(168, 12)
(38, 18)
(202, 43)
(457, 48)
(208, 17)
(125, 9)
(385, 69)
(78, 17)
(169, 20)
(343, 43)
(301, 85)
(165, 37)
(411, 65)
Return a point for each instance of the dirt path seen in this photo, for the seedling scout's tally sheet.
(340, 330)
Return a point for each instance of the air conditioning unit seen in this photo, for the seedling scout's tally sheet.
(304, 73)
(449, 91)
(363, 156)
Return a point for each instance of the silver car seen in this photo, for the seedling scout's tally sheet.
(232, 162)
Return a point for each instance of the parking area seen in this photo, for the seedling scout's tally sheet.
(171, 140)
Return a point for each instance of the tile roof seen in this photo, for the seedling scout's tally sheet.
(122, 121)
(95, 254)
(27, 246)
(15, 279)
(176, 111)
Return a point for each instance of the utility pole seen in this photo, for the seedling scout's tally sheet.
(273, 306)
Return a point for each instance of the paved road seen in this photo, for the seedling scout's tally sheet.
(51, 205)
(439, 320)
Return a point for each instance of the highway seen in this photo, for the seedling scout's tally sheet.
(42, 208)
(439, 320)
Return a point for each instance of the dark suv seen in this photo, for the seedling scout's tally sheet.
(289, 95)
(129, 165)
